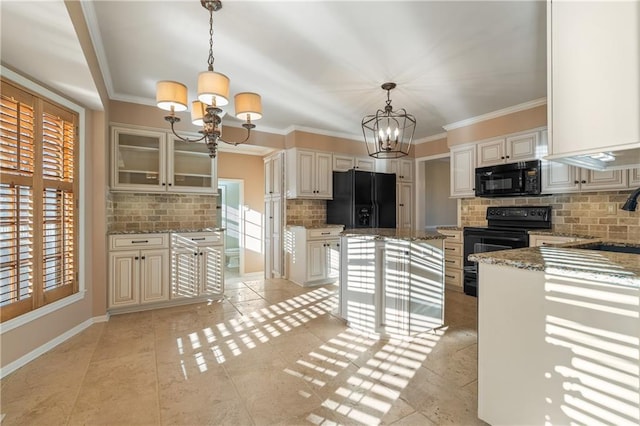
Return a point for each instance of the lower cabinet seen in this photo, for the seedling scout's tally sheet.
(138, 270)
(545, 240)
(149, 270)
(197, 264)
(453, 259)
(313, 255)
(392, 286)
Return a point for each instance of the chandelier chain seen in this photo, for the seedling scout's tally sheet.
(210, 59)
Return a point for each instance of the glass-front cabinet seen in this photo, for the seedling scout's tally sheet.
(154, 161)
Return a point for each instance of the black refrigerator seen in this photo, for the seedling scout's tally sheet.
(363, 200)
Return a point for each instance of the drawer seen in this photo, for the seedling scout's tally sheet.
(453, 262)
(185, 239)
(453, 277)
(323, 233)
(453, 236)
(452, 249)
(129, 241)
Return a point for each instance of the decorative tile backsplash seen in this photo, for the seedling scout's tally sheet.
(159, 212)
(306, 212)
(585, 213)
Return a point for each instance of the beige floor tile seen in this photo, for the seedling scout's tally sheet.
(271, 352)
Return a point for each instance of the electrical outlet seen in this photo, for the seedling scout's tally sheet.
(612, 209)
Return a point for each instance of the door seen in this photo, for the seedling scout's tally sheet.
(211, 260)
(154, 275)
(124, 274)
(316, 260)
(426, 294)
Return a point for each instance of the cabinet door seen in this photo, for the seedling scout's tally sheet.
(324, 175)
(305, 173)
(559, 178)
(581, 36)
(276, 237)
(634, 177)
(359, 268)
(138, 160)
(405, 206)
(185, 275)
(463, 164)
(333, 258)
(342, 163)
(402, 168)
(395, 287)
(211, 260)
(316, 260)
(154, 275)
(522, 147)
(124, 278)
(190, 168)
(491, 152)
(608, 179)
(273, 175)
(365, 164)
(426, 298)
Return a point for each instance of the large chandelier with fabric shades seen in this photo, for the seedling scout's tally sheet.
(213, 93)
(388, 133)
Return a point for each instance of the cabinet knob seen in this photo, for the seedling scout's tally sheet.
(195, 253)
(502, 158)
(164, 184)
(576, 182)
(507, 156)
(142, 258)
(337, 244)
(584, 181)
(201, 253)
(170, 184)
(135, 258)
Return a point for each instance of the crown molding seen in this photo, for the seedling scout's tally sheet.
(431, 138)
(495, 114)
(323, 132)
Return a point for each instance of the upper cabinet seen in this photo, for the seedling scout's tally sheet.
(273, 167)
(593, 76)
(342, 163)
(463, 165)
(521, 147)
(309, 174)
(402, 168)
(152, 161)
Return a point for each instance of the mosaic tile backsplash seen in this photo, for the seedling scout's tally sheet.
(159, 212)
(585, 213)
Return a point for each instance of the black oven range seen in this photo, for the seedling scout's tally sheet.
(507, 228)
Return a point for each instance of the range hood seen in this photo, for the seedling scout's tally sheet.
(603, 160)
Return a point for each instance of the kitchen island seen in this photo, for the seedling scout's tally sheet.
(559, 336)
(392, 281)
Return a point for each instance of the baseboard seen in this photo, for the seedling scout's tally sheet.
(25, 359)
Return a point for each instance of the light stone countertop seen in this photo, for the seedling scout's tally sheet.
(166, 231)
(323, 226)
(573, 258)
(393, 234)
(449, 228)
(552, 233)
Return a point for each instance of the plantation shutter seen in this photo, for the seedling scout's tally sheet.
(38, 219)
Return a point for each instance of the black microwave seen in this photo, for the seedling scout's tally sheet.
(509, 180)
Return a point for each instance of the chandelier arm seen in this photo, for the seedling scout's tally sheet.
(173, 120)
(246, 126)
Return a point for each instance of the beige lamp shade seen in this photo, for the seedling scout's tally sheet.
(248, 106)
(198, 109)
(171, 95)
(213, 88)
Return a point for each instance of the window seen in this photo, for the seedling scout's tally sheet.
(38, 201)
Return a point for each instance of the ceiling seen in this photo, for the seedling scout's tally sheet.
(318, 65)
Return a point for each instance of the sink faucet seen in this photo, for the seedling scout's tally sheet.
(632, 202)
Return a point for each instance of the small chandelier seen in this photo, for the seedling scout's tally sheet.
(389, 132)
(213, 93)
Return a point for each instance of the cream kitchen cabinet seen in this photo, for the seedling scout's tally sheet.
(593, 76)
(273, 174)
(309, 174)
(138, 270)
(197, 264)
(403, 169)
(148, 160)
(313, 255)
(463, 165)
(634, 177)
(562, 178)
(510, 149)
(544, 240)
(342, 163)
(404, 205)
(273, 215)
(453, 259)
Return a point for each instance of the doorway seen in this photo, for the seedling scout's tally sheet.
(231, 202)
(434, 206)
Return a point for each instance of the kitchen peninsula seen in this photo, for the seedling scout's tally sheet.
(559, 334)
(391, 280)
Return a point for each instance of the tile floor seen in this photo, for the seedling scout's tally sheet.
(269, 353)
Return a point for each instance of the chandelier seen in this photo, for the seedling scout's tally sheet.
(388, 133)
(213, 93)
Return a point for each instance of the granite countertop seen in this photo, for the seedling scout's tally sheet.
(166, 231)
(552, 233)
(573, 258)
(393, 234)
(449, 228)
(323, 226)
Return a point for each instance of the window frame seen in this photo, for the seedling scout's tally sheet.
(55, 98)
